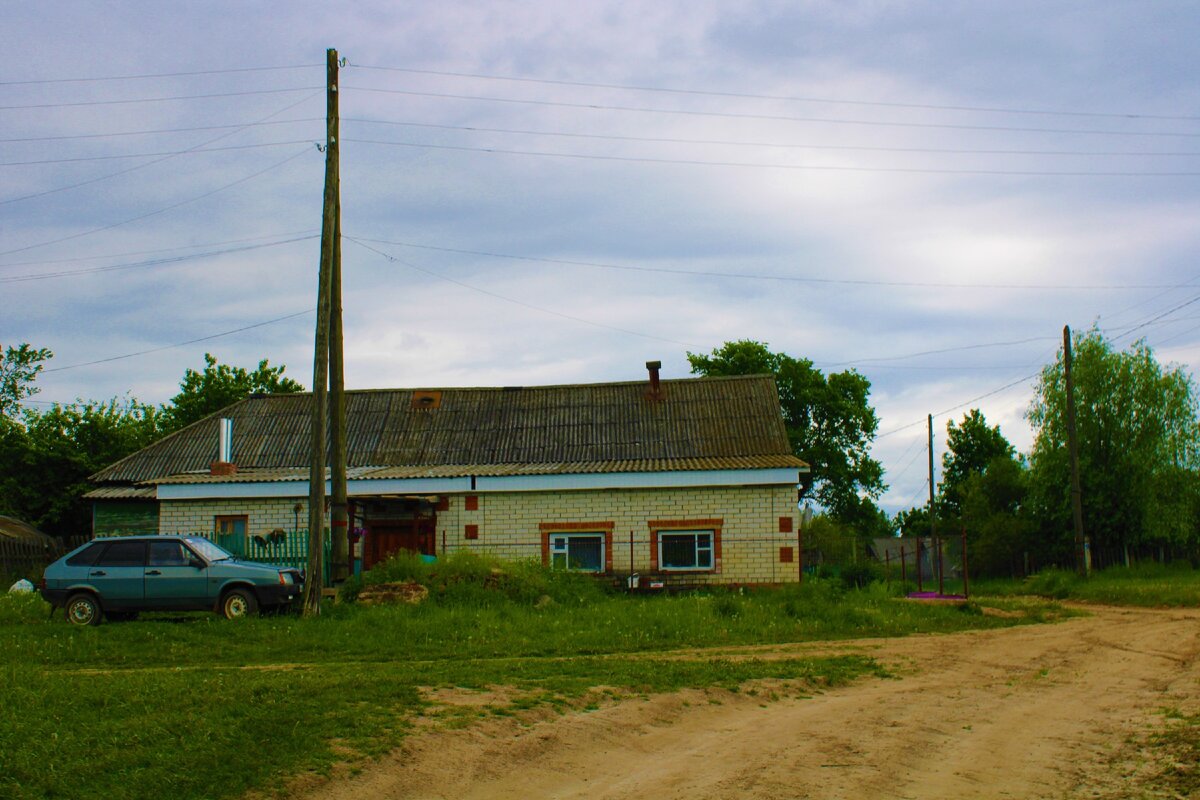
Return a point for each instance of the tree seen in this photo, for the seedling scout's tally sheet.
(48, 456)
(993, 514)
(1139, 448)
(830, 423)
(19, 367)
(221, 385)
(970, 447)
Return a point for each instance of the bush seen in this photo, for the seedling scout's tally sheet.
(468, 578)
(859, 576)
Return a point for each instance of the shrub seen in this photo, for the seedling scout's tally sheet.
(859, 576)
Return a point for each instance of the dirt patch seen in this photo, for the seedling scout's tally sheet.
(1031, 711)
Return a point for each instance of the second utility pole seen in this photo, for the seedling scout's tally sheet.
(329, 252)
(1073, 453)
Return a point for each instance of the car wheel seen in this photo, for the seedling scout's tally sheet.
(239, 603)
(84, 609)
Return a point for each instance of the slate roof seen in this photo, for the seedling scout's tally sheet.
(699, 423)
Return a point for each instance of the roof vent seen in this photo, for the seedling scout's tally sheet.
(655, 394)
(425, 400)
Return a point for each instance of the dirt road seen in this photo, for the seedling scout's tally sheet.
(1030, 712)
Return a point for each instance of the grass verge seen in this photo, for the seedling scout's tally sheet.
(1146, 585)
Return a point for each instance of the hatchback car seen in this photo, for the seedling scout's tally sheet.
(119, 577)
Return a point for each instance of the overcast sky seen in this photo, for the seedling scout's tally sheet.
(544, 193)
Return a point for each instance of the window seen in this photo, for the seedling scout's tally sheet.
(168, 554)
(577, 551)
(124, 554)
(686, 545)
(226, 526)
(87, 556)
(685, 550)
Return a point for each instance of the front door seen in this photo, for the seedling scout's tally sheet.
(171, 580)
(389, 536)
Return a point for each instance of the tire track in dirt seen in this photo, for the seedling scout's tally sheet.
(1030, 711)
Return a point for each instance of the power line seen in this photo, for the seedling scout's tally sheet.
(770, 117)
(79, 103)
(182, 344)
(238, 125)
(167, 157)
(163, 210)
(782, 145)
(189, 151)
(512, 300)
(150, 263)
(306, 233)
(954, 408)
(760, 277)
(149, 75)
(940, 351)
(788, 98)
(801, 167)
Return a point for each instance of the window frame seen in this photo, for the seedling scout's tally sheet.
(232, 518)
(668, 527)
(566, 551)
(695, 536)
(603, 529)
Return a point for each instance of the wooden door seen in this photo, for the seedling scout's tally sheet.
(387, 537)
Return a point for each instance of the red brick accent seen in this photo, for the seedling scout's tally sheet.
(785, 524)
(443, 504)
(667, 525)
(471, 502)
(222, 468)
(606, 528)
(786, 555)
(471, 532)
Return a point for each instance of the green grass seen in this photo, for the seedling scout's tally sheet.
(190, 706)
(1149, 585)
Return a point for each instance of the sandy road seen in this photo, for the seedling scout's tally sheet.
(1028, 712)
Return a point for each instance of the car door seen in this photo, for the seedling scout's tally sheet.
(118, 574)
(171, 579)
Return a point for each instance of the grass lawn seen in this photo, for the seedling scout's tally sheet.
(189, 706)
(1148, 585)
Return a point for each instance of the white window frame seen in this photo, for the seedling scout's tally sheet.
(696, 549)
(553, 536)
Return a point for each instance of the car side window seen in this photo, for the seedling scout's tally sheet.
(123, 554)
(87, 556)
(167, 554)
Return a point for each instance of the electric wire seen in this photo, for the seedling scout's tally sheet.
(154, 131)
(182, 344)
(156, 212)
(799, 167)
(787, 98)
(189, 151)
(134, 100)
(773, 117)
(513, 300)
(151, 75)
(308, 232)
(781, 145)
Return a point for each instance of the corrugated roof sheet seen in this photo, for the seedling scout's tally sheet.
(492, 470)
(607, 423)
(121, 493)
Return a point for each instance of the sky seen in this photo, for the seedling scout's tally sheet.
(543, 193)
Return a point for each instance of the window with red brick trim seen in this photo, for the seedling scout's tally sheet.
(585, 546)
(685, 545)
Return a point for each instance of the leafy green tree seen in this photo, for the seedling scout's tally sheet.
(913, 521)
(999, 529)
(220, 385)
(830, 422)
(1139, 448)
(970, 447)
(19, 367)
(48, 457)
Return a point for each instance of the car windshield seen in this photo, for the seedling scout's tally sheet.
(210, 551)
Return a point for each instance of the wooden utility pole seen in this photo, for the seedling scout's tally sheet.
(932, 514)
(1073, 450)
(339, 522)
(329, 249)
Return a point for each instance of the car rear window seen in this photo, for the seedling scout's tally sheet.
(87, 556)
(123, 554)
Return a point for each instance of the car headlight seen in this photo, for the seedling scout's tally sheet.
(285, 578)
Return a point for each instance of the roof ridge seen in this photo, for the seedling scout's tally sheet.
(388, 390)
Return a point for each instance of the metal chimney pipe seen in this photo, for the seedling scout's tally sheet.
(225, 440)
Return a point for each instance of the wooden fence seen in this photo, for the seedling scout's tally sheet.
(22, 558)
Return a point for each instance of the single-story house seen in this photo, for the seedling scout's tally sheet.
(685, 481)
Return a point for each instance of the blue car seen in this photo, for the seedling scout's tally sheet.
(119, 577)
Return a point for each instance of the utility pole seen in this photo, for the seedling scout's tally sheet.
(1073, 450)
(329, 235)
(932, 514)
(339, 522)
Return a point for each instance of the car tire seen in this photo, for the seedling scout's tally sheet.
(84, 608)
(238, 604)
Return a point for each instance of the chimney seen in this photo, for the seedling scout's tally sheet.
(224, 464)
(655, 393)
